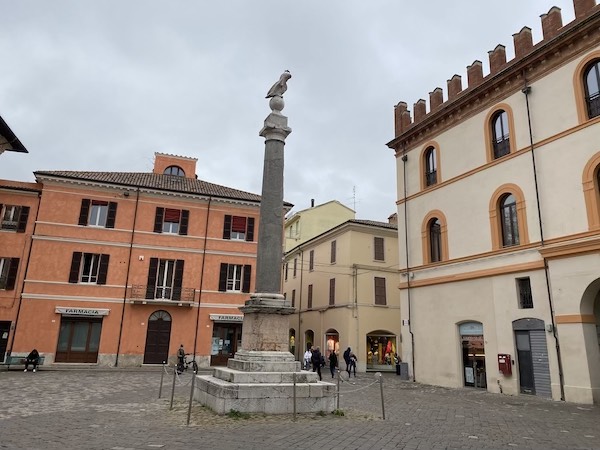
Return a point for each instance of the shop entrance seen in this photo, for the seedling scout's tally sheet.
(78, 340)
(532, 357)
(4, 332)
(158, 338)
(473, 354)
(332, 343)
(226, 339)
(381, 349)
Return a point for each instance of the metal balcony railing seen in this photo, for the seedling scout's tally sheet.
(161, 293)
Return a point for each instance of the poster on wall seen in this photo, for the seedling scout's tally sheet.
(469, 376)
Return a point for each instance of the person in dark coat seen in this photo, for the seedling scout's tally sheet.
(317, 361)
(33, 358)
(333, 363)
(347, 359)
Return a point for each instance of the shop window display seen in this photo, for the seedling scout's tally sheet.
(381, 349)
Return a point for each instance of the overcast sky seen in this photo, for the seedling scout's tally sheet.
(102, 85)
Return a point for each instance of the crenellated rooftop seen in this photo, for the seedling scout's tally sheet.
(552, 26)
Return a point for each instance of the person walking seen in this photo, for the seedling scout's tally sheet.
(352, 366)
(307, 358)
(333, 363)
(317, 361)
(347, 359)
(180, 359)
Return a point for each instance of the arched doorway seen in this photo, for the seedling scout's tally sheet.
(532, 357)
(309, 339)
(332, 343)
(158, 337)
(590, 332)
(381, 348)
(473, 354)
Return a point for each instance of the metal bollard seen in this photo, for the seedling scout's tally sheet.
(173, 388)
(338, 390)
(162, 376)
(378, 374)
(191, 398)
(294, 380)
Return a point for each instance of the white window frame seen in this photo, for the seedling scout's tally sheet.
(10, 217)
(90, 267)
(234, 278)
(98, 215)
(165, 279)
(4, 268)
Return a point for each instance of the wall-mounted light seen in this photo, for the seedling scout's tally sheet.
(141, 257)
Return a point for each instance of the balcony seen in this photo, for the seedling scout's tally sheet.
(143, 294)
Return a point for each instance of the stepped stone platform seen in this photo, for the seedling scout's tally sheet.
(258, 381)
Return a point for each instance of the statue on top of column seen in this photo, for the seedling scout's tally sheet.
(279, 88)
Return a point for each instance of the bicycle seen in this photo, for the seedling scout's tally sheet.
(183, 365)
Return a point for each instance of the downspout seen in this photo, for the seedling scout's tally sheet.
(201, 278)
(20, 296)
(526, 90)
(137, 200)
(300, 307)
(412, 336)
(355, 303)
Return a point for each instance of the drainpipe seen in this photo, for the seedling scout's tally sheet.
(412, 336)
(137, 200)
(296, 349)
(20, 297)
(527, 90)
(201, 277)
(355, 304)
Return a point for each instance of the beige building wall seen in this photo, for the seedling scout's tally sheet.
(476, 280)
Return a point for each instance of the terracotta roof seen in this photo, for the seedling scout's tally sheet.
(156, 181)
(374, 223)
(11, 138)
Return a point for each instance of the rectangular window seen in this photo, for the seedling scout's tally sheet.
(8, 273)
(238, 228)
(310, 296)
(333, 255)
(311, 261)
(293, 298)
(287, 267)
(332, 291)
(235, 278)
(13, 218)
(171, 221)
(380, 294)
(97, 213)
(165, 279)
(295, 266)
(89, 268)
(524, 290)
(379, 249)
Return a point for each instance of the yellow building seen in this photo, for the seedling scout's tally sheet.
(343, 284)
(499, 205)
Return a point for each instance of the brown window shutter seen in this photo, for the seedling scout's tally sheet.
(379, 252)
(12, 274)
(103, 269)
(380, 295)
(183, 224)
(311, 260)
(84, 211)
(112, 215)
(178, 281)
(332, 291)
(333, 251)
(227, 227)
(223, 278)
(310, 297)
(22, 219)
(158, 220)
(75, 264)
(247, 275)
(152, 278)
(250, 230)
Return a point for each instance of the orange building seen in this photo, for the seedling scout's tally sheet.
(124, 267)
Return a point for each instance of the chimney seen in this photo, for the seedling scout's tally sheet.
(393, 219)
(406, 120)
(497, 59)
(312, 202)
(523, 41)
(551, 22)
(475, 73)
(454, 86)
(420, 110)
(399, 126)
(436, 98)
(583, 7)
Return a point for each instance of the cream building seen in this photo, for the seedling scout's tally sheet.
(308, 223)
(343, 284)
(499, 204)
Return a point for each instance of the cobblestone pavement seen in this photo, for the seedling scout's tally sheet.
(120, 409)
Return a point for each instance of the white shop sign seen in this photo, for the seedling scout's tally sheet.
(87, 312)
(227, 317)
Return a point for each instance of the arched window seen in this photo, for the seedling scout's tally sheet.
(174, 170)
(430, 167)
(434, 237)
(509, 221)
(500, 134)
(592, 89)
(435, 240)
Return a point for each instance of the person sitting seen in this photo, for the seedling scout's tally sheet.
(33, 358)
